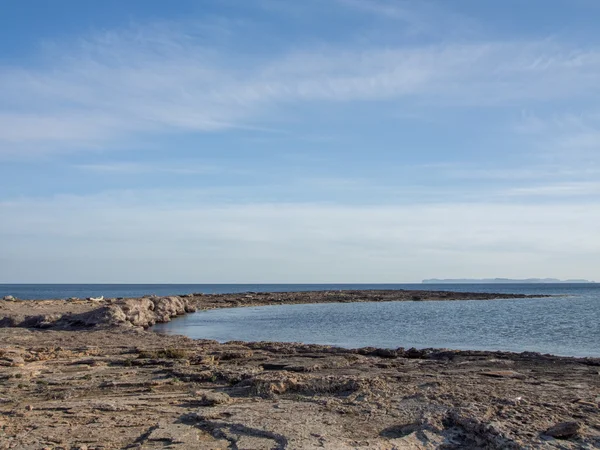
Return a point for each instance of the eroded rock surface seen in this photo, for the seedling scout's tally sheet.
(126, 388)
(111, 313)
(82, 374)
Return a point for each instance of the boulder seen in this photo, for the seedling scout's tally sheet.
(139, 312)
(563, 430)
(9, 298)
(167, 307)
(106, 316)
(213, 398)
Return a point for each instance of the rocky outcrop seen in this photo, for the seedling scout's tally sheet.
(134, 312)
(139, 312)
(144, 312)
(167, 307)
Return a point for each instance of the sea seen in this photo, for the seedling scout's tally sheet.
(566, 324)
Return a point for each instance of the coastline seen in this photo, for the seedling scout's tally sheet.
(86, 374)
(146, 311)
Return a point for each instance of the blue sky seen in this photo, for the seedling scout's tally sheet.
(284, 141)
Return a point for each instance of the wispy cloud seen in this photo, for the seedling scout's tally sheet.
(561, 189)
(569, 139)
(141, 81)
(265, 242)
(135, 168)
(419, 18)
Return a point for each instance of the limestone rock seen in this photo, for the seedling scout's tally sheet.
(503, 374)
(168, 307)
(139, 312)
(41, 321)
(213, 398)
(11, 360)
(563, 430)
(104, 317)
(132, 312)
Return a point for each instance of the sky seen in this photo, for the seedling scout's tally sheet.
(278, 141)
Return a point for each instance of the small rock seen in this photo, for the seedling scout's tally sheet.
(563, 430)
(414, 353)
(581, 401)
(385, 353)
(213, 398)
(111, 407)
(173, 434)
(503, 374)
(12, 361)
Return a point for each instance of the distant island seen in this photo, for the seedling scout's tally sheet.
(499, 280)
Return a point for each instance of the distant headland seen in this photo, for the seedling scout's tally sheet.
(499, 280)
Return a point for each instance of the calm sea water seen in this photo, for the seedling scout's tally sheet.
(568, 325)
(565, 325)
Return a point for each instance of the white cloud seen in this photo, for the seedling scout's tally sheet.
(423, 18)
(180, 168)
(557, 190)
(159, 79)
(292, 242)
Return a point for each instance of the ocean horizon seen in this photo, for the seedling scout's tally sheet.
(40, 291)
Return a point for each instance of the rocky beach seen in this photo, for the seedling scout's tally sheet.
(90, 374)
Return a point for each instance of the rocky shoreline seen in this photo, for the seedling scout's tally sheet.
(86, 374)
(144, 312)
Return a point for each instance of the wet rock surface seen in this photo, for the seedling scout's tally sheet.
(95, 379)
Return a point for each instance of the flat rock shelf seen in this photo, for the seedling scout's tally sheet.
(88, 374)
